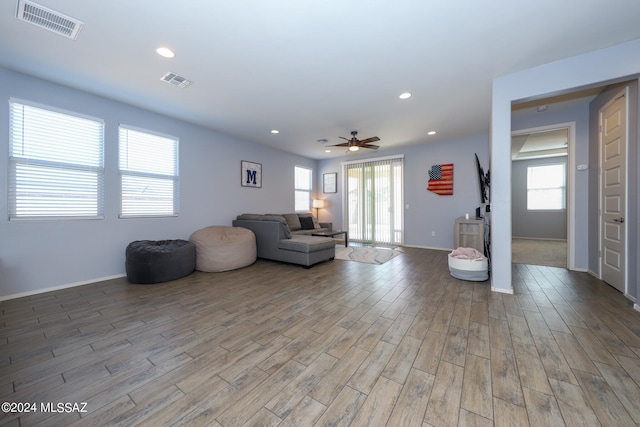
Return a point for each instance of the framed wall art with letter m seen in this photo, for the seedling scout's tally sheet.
(251, 174)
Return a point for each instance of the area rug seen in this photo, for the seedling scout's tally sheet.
(369, 255)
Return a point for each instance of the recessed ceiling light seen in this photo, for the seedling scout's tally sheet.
(405, 95)
(432, 132)
(165, 52)
(327, 151)
(274, 131)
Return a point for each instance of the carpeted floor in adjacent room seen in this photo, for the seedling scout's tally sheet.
(550, 253)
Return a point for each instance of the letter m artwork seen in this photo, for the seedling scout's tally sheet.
(251, 174)
(251, 177)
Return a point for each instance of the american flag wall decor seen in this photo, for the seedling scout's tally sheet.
(441, 179)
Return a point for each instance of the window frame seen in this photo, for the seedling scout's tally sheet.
(84, 187)
(149, 174)
(302, 190)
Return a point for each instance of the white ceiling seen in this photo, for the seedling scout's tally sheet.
(549, 143)
(313, 69)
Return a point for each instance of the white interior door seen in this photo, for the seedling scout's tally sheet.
(613, 178)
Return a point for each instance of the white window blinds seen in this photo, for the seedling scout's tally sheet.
(148, 174)
(546, 187)
(56, 164)
(373, 200)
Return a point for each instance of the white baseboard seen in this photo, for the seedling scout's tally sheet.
(57, 288)
(636, 307)
(427, 247)
(538, 238)
(502, 290)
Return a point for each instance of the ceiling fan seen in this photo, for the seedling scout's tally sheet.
(354, 144)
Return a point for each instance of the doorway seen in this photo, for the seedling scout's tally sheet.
(373, 200)
(543, 199)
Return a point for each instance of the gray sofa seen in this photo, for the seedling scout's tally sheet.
(276, 241)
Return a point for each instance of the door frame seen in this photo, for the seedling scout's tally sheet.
(571, 178)
(345, 193)
(623, 92)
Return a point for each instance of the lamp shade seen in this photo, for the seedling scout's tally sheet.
(318, 203)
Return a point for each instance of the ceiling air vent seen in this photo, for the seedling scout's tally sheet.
(48, 19)
(176, 80)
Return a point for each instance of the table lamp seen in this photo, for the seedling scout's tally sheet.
(317, 204)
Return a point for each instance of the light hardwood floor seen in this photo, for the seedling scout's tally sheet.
(343, 343)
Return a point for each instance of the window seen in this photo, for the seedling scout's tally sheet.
(56, 164)
(148, 174)
(546, 186)
(303, 187)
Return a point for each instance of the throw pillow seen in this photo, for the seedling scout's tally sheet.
(306, 222)
(293, 221)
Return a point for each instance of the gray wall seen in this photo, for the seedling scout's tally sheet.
(534, 224)
(424, 211)
(37, 255)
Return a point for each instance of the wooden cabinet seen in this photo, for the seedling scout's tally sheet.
(469, 233)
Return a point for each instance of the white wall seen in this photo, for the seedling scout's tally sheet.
(615, 63)
(426, 211)
(37, 255)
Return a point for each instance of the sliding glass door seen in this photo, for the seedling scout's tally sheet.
(373, 200)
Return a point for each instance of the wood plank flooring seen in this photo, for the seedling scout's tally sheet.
(342, 343)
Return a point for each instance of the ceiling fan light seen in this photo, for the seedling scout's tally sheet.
(354, 148)
(165, 52)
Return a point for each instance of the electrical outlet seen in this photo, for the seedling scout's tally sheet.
(433, 234)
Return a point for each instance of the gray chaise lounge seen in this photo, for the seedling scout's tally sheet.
(276, 241)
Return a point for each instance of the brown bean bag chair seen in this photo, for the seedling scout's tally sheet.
(222, 248)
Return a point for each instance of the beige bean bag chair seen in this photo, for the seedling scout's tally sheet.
(222, 248)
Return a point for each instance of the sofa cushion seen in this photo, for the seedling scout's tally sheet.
(269, 217)
(310, 216)
(306, 244)
(308, 232)
(307, 223)
(293, 220)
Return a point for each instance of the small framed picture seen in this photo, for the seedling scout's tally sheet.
(251, 174)
(329, 182)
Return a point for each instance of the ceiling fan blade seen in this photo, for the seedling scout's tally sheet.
(344, 144)
(373, 147)
(342, 137)
(368, 140)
